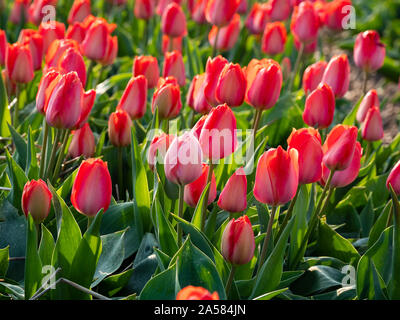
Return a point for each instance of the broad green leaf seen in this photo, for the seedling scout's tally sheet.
(270, 295)
(166, 235)
(4, 255)
(115, 283)
(18, 180)
(161, 287)
(46, 247)
(379, 225)
(5, 117)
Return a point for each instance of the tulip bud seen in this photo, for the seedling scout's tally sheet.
(372, 127)
(339, 147)
(196, 130)
(242, 9)
(87, 104)
(313, 75)
(320, 107)
(144, 9)
(264, 83)
(369, 51)
(279, 10)
(19, 65)
(218, 137)
(173, 21)
(305, 22)
(72, 60)
(257, 18)
(112, 51)
(307, 142)
(3, 47)
(76, 32)
(394, 179)
(197, 99)
(231, 85)
(213, 70)
(46, 86)
(277, 176)
(335, 14)
(337, 75)
(182, 162)
(51, 31)
(19, 9)
(167, 98)
(163, 4)
(370, 100)
(237, 242)
(196, 293)
(148, 67)
(227, 35)
(171, 44)
(94, 45)
(233, 197)
(134, 98)
(82, 143)
(79, 11)
(36, 200)
(57, 50)
(174, 66)
(220, 12)
(274, 38)
(92, 188)
(158, 148)
(38, 10)
(193, 190)
(34, 41)
(119, 128)
(197, 11)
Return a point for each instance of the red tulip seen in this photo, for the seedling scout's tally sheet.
(19, 65)
(76, 32)
(313, 75)
(163, 4)
(220, 12)
(274, 38)
(193, 190)
(57, 49)
(174, 66)
(213, 70)
(47, 83)
(242, 9)
(196, 130)
(264, 83)
(277, 176)
(305, 22)
(197, 11)
(320, 107)
(38, 10)
(119, 128)
(231, 85)
(335, 13)
(171, 44)
(3, 47)
(134, 98)
(87, 104)
(173, 21)
(79, 11)
(92, 188)
(196, 293)
(369, 51)
(34, 40)
(182, 162)
(95, 44)
(372, 127)
(144, 9)
(112, 51)
(72, 60)
(237, 242)
(218, 137)
(82, 143)
(337, 75)
(51, 31)
(148, 67)
(167, 98)
(227, 35)
(196, 98)
(394, 179)
(257, 18)
(36, 200)
(158, 148)
(370, 100)
(309, 48)
(19, 9)
(233, 197)
(307, 142)
(279, 10)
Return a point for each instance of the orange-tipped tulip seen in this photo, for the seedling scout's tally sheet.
(174, 66)
(167, 98)
(337, 75)
(231, 85)
(233, 197)
(196, 97)
(51, 31)
(335, 13)
(46, 86)
(257, 18)
(76, 31)
(134, 98)
(36, 200)
(372, 127)
(34, 40)
(274, 38)
(19, 64)
(171, 44)
(196, 293)
(119, 128)
(148, 67)
(369, 51)
(193, 190)
(320, 107)
(173, 21)
(95, 44)
(79, 11)
(87, 104)
(82, 143)
(57, 50)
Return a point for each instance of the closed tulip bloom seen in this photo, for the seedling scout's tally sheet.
(144, 9)
(307, 142)
(337, 75)
(193, 190)
(264, 83)
(274, 38)
(92, 188)
(34, 40)
(3, 47)
(309, 48)
(169, 43)
(320, 107)
(158, 148)
(46, 86)
(227, 35)
(196, 130)
(372, 127)
(305, 22)
(167, 98)
(57, 50)
(112, 51)
(233, 197)
(220, 12)
(76, 32)
(218, 136)
(148, 67)
(38, 10)
(19, 65)
(335, 14)
(339, 147)
(173, 21)
(36, 200)
(313, 75)
(257, 18)
(19, 9)
(277, 176)
(231, 85)
(279, 10)
(197, 11)
(94, 45)
(87, 104)
(369, 51)
(182, 162)
(82, 143)
(242, 9)
(65, 103)
(198, 100)
(237, 242)
(214, 68)
(163, 4)
(196, 293)
(51, 31)
(134, 98)
(394, 179)
(174, 66)
(370, 100)
(72, 60)
(79, 11)
(119, 128)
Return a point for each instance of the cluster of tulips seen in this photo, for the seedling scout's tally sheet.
(67, 93)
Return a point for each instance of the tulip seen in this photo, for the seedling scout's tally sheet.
(372, 127)
(214, 68)
(196, 293)
(274, 38)
(51, 31)
(337, 75)
(171, 44)
(227, 35)
(339, 147)
(38, 10)
(158, 148)
(237, 242)
(182, 162)
(305, 22)
(173, 21)
(174, 66)
(144, 9)
(92, 189)
(167, 98)
(394, 179)
(76, 32)
(36, 200)
(233, 197)
(46, 86)
(196, 97)
(370, 100)
(313, 75)
(34, 40)
(307, 142)
(19, 9)
(197, 11)
(196, 130)
(3, 47)
(369, 51)
(257, 18)
(193, 190)
(134, 98)
(57, 49)
(308, 48)
(163, 4)
(320, 107)
(242, 9)
(220, 12)
(82, 143)
(72, 60)
(335, 14)
(119, 128)
(87, 104)
(148, 67)
(79, 11)
(218, 137)
(19, 65)
(279, 10)
(95, 44)
(112, 51)
(231, 85)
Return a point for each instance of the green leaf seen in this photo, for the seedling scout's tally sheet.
(18, 180)
(115, 283)
(196, 219)
(4, 255)
(31, 167)
(46, 247)
(166, 235)
(5, 117)
(379, 225)
(20, 147)
(161, 287)
(270, 295)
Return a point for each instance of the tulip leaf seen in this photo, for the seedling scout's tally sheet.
(166, 235)
(156, 288)
(196, 219)
(5, 117)
(270, 295)
(31, 167)
(18, 180)
(4, 255)
(115, 283)
(21, 147)
(46, 247)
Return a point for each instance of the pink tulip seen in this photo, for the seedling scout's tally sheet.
(370, 100)
(337, 75)
(372, 127)
(233, 197)
(82, 143)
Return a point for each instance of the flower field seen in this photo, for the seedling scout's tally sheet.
(199, 150)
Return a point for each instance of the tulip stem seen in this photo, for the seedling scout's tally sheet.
(89, 74)
(120, 176)
(90, 221)
(205, 201)
(61, 154)
(365, 83)
(266, 239)
(230, 280)
(257, 118)
(53, 153)
(367, 151)
(16, 106)
(44, 149)
(180, 214)
(288, 215)
(214, 52)
(296, 67)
